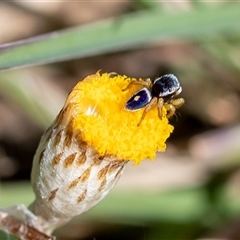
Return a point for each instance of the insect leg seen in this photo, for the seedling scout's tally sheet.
(150, 105)
(170, 109)
(146, 83)
(160, 105)
(172, 105)
(113, 74)
(177, 103)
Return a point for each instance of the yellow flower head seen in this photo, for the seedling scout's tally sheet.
(99, 114)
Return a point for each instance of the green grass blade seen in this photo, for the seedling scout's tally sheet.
(7, 236)
(112, 35)
(19, 92)
(183, 205)
(176, 205)
(16, 193)
(179, 205)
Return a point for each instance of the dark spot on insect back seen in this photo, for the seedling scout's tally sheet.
(139, 100)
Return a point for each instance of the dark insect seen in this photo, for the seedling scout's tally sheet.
(160, 91)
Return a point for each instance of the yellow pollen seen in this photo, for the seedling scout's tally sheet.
(99, 114)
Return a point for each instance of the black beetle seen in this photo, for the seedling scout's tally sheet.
(160, 91)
